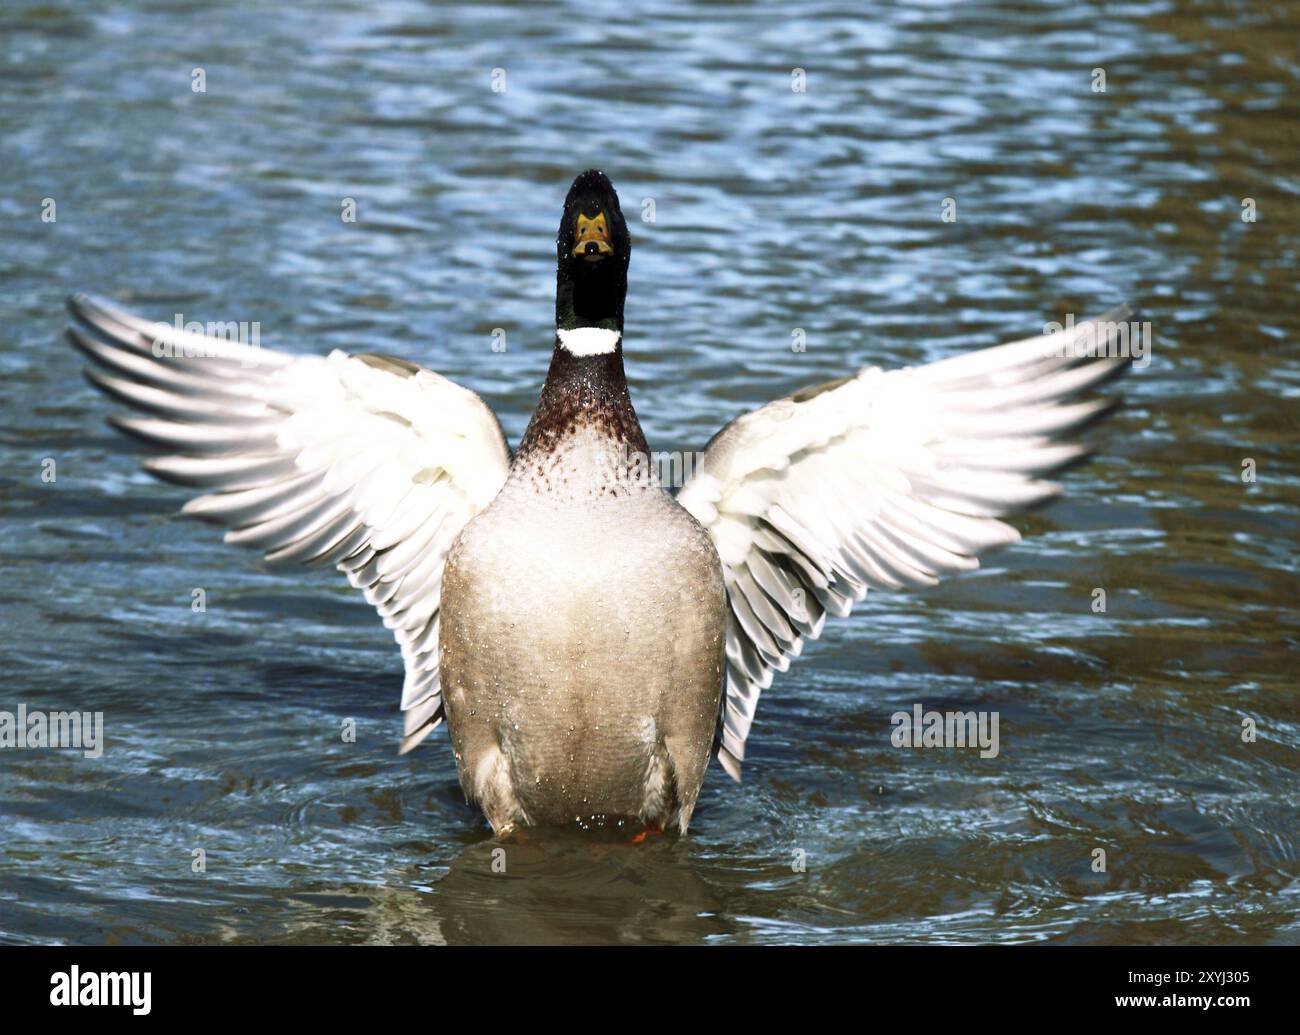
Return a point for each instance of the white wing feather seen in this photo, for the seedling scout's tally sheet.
(883, 479)
(368, 463)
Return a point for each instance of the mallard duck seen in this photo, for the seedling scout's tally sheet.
(590, 638)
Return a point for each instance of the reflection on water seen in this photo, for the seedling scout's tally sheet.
(774, 210)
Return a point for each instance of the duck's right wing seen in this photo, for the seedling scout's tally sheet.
(366, 462)
(885, 479)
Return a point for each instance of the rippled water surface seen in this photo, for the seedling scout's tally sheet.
(773, 210)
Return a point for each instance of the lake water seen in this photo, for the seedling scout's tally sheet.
(774, 210)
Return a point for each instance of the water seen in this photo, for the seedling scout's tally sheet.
(774, 210)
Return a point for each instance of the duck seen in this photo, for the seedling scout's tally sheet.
(592, 637)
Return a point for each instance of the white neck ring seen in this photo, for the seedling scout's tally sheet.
(589, 341)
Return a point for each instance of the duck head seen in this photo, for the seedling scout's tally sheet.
(593, 249)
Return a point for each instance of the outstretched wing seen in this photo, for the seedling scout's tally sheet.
(366, 462)
(882, 479)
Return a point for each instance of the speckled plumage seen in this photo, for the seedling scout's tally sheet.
(582, 647)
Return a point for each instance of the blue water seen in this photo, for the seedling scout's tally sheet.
(774, 211)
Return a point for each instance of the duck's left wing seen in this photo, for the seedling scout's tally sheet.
(882, 479)
(365, 462)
